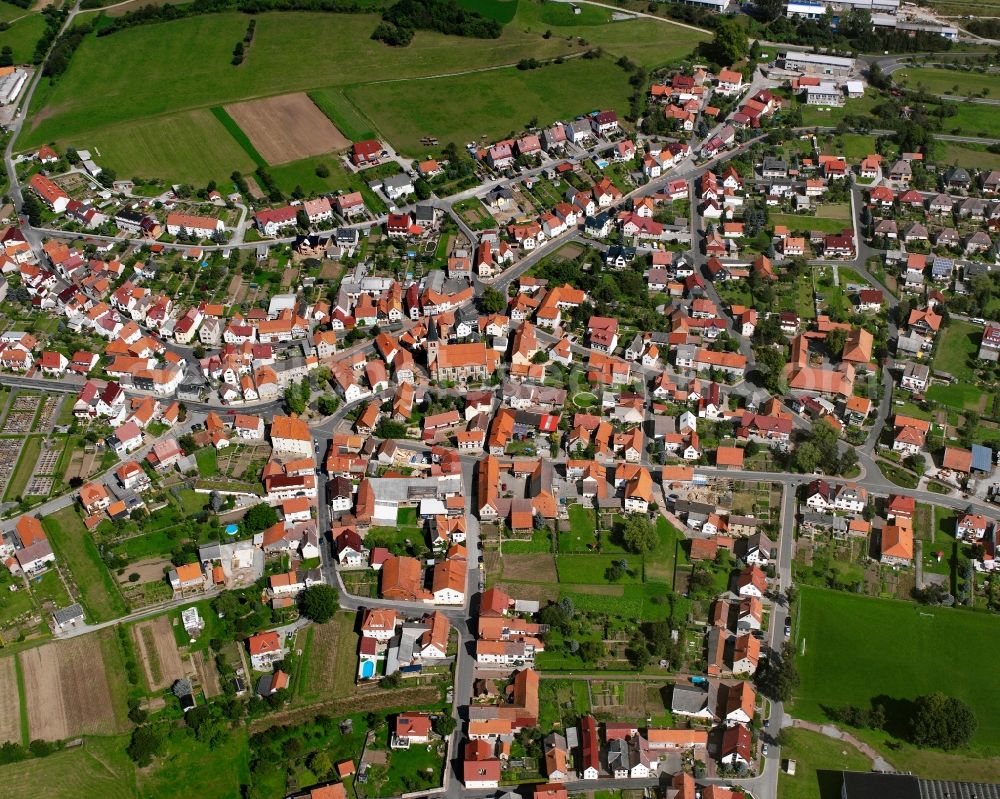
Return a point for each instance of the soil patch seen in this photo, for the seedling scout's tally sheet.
(535, 568)
(67, 690)
(286, 128)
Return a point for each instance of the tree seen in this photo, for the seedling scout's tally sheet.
(31, 208)
(145, 745)
(422, 188)
(780, 677)
(614, 572)
(320, 764)
(941, 721)
(302, 219)
(322, 171)
(260, 517)
(639, 535)
(444, 724)
(730, 43)
(835, 341)
(492, 301)
(294, 400)
(319, 603)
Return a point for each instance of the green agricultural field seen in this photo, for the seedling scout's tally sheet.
(957, 344)
(493, 103)
(342, 113)
(23, 35)
(854, 649)
(190, 146)
(76, 549)
(818, 763)
(945, 81)
(133, 73)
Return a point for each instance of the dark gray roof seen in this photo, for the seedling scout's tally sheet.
(860, 785)
(66, 615)
(948, 789)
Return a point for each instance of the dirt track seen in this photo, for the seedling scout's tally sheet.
(287, 128)
(10, 703)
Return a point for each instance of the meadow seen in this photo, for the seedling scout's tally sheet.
(133, 73)
(969, 155)
(945, 81)
(122, 92)
(854, 649)
(22, 35)
(187, 147)
(493, 103)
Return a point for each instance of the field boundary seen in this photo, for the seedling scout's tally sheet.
(23, 701)
(238, 135)
(324, 104)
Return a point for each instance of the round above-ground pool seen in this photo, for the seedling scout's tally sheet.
(367, 669)
(232, 529)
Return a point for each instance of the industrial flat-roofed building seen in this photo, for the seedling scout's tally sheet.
(818, 63)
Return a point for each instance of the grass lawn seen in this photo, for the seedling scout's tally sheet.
(852, 146)
(493, 103)
(961, 396)
(419, 759)
(814, 115)
(818, 763)
(25, 466)
(23, 35)
(898, 475)
(13, 603)
(303, 173)
(581, 522)
(76, 549)
(972, 119)
(208, 461)
(189, 146)
(291, 52)
(99, 767)
(591, 568)
(49, 588)
(857, 649)
(659, 564)
(191, 501)
(541, 541)
(958, 343)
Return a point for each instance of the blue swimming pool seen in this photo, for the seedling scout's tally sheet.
(367, 670)
(232, 529)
